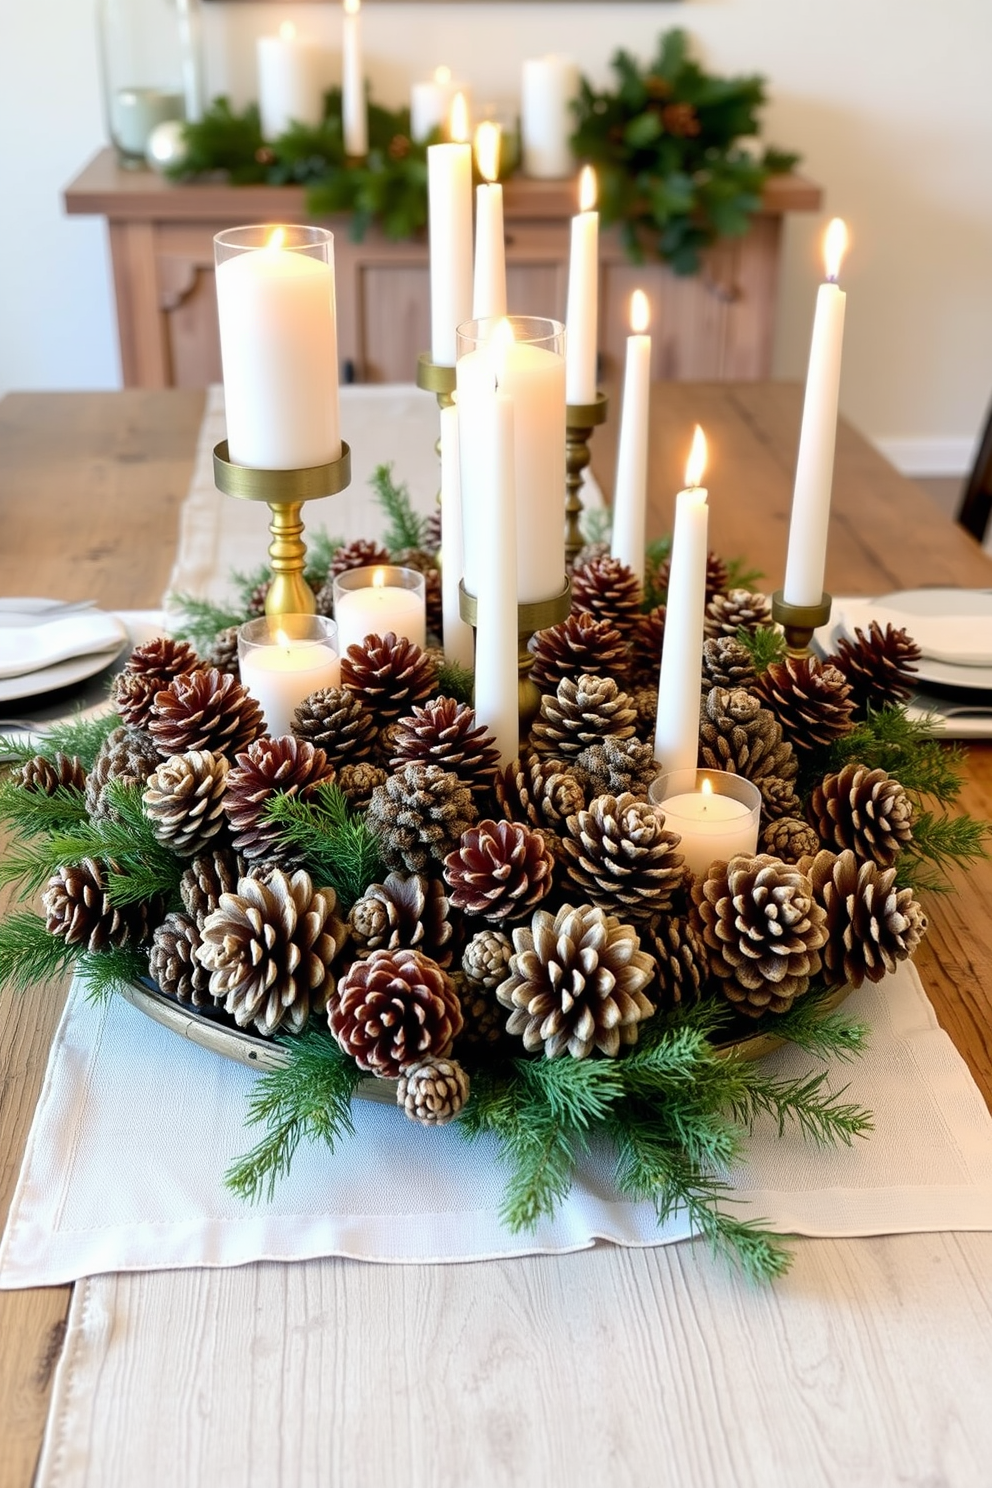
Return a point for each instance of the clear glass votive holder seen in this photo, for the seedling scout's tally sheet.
(715, 813)
(283, 659)
(377, 599)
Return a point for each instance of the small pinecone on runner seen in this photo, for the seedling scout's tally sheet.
(647, 635)
(810, 699)
(78, 909)
(541, 791)
(486, 957)
(727, 663)
(205, 709)
(607, 589)
(621, 855)
(872, 924)
(207, 877)
(445, 732)
(681, 959)
(576, 983)
(357, 554)
(222, 652)
(499, 871)
(864, 810)
(740, 609)
(404, 912)
(581, 713)
(184, 800)
(419, 815)
(338, 722)
(126, 755)
(267, 768)
(790, 838)
(763, 930)
(357, 782)
(45, 776)
(717, 575)
(147, 670)
(173, 964)
(269, 948)
(390, 674)
(616, 767)
(580, 644)
(433, 1091)
(878, 665)
(395, 1009)
(739, 735)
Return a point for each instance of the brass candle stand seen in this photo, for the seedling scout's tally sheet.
(531, 618)
(800, 621)
(434, 378)
(580, 420)
(284, 492)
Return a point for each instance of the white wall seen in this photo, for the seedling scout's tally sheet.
(887, 100)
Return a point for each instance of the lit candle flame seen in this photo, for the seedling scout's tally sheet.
(379, 579)
(834, 245)
(287, 31)
(458, 120)
(487, 143)
(276, 239)
(502, 335)
(282, 639)
(707, 786)
(587, 189)
(442, 76)
(352, 7)
(696, 463)
(640, 312)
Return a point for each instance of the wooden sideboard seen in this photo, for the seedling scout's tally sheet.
(717, 326)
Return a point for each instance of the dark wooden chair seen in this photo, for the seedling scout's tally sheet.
(976, 503)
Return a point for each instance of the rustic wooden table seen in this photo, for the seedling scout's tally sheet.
(90, 488)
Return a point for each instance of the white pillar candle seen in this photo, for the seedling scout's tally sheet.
(283, 659)
(533, 377)
(289, 83)
(496, 644)
(630, 492)
(581, 315)
(676, 737)
(449, 173)
(807, 556)
(354, 105)
(549, 85)
(716, 815)
(374, 601)
(278, 341)
(489, 285)
(430, 103)
(458, 640)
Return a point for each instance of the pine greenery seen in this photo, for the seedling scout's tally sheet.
(766, 644)
(456, 682)
(338, 847)
(28, 954)
(201, 621)
(406, 529)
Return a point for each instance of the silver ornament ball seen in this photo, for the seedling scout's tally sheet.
(165, 144)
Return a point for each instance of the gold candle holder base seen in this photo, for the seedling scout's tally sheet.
(539, 615)
(580, 420)
(800, 621)
(284, 492)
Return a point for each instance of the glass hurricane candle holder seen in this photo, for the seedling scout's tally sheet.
(283, 659)
(716, 814)
(378, 599)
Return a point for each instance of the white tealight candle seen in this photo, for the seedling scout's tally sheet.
(449, 184)
(283, 659)
(676, 737)
(630, 494)
(374, 601)
(354, 106)
(289, 82)
(715, 814)
(581, 316)
(489, 285)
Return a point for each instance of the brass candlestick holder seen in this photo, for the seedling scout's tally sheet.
(580, 420)
(800, 621)
(530, 618)
(284, 492)
(434, 378)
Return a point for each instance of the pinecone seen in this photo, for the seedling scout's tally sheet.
(255, 607)
(681, 958)
(406, 912)
(499, 871)
(763, 930)
(147, 670)
(444, 732)
(871, 923)
(740, 609)
(433, 1091)
(357, 782)
(205, 709)
(616, 767)
(878, 666)
(207, 877)
(78, 909)
(390, 674)
(579, 644)
(426, 563)
(394, 1010)
(790, 839)
(126, 755)
(607, 589)
(486, 957)
(580, 714)
(271, 767)
(431, 534)
(647, 635)
(484, 1020)
(727, 663)
(589, 552)
(810, 699)
(645, 701)
(419, 815)
(184, 800)
(172, 961)
(620, 853)
(717, 575)
(269, 949)
(337, 722)
(576, 983)
(541, 792)
(45, 776)
(864, 810)
(222, 652)
(738, 735)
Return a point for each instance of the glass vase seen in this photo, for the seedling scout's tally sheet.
(151, 69)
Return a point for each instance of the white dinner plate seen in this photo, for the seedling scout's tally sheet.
(52, 678)
(959, 603)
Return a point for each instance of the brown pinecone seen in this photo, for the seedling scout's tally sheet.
(576, 983)
(717, 575)
(405, 912)
(393, 1010)
(45, 777)
(579, 644)
(645, 701)
(647, 635)
(358, 554)
(616, 767)
(132, 697)
(763, 930)
(620, 853)
(172, 961)
(222, 652)
(589, 552)
(184, 800)
(871, 923)
(542, 792)
(255, 607)
(740, 609)
(79, 911)
(126, 755)
(681, 959)
(499, 871)
(810, 699)
(484, 1020)
(607, 589)
(147, 670)
(431, 535)
(357, 782)
(727, 663)
(864, 810)
(267, 768)
(338, 722)
(581, 713)
(444, 732)
(205, 709)
(790, 839)
(433, 1091)
(425, 563)
(419, 815)
(207, 877)
(390, 674)
(738, 735)
(269, 949)
(486, 957)
(878, 666)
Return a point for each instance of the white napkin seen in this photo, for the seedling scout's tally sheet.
(29, 648)
(963, 640)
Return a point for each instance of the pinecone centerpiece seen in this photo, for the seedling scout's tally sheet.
(395, 1010)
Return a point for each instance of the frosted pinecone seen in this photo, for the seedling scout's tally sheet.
(419, 815)
(871, 923)
(336, 721)
(128, 756)
(616, 767)
(184, 800)
(432, 1092)
(404, 912)
(740, 609)
(581, 713)
(580, 644)
(621, 855)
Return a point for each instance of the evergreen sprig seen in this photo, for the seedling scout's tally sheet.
(28, 954)
(455, 681)
(201, 620)
(406, 528)
(30, 813)
(888, 739)
(80, 736)
(766, 644)
(339, 848)
(940, 844)
(107, 971)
